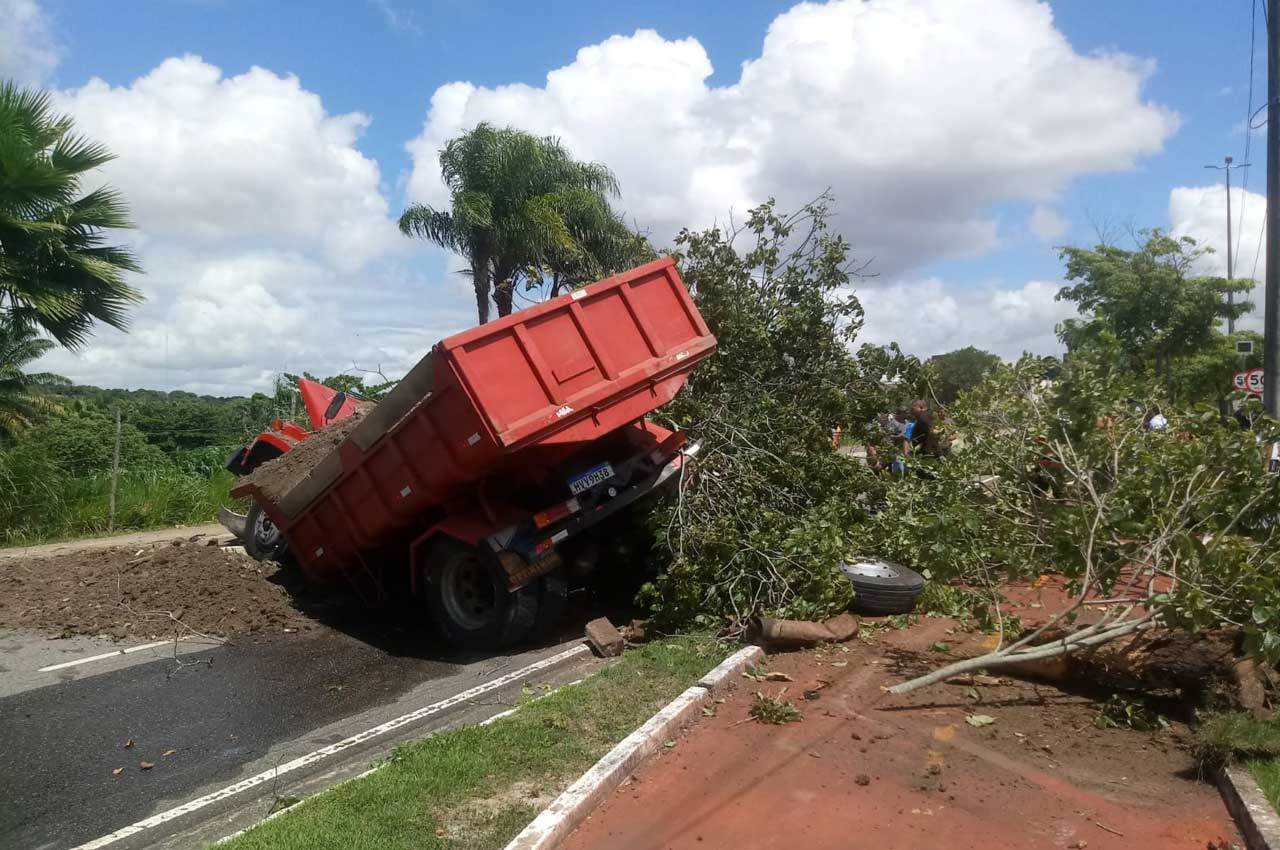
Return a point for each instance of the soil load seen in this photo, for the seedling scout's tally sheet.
(170, 590)
(277, 477)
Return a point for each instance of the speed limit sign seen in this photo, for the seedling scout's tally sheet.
(1240, 380)
(1253, 381)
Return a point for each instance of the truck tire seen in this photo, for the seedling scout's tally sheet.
(262, 540)
(469, 601)
(553, 599)
(883, 588)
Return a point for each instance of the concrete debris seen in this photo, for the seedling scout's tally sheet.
(604, 638)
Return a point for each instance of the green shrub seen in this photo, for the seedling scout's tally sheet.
(765, 521)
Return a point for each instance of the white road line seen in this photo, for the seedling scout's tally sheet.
(105, 655)
(377, 767)
(332, 749)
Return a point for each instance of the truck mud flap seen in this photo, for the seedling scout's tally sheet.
(233, 522)
(520, 572)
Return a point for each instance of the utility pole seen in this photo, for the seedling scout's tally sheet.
(1231, 296)
(115, 477)
(1271, 345)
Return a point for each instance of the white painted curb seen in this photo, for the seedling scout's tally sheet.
(1253, 813)
(567, 812)
(731, 666)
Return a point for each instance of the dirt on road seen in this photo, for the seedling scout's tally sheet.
(172, 589)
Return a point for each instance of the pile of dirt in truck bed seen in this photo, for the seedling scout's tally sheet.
(167, 590)
(277, 477)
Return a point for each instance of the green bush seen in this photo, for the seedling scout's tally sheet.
(763, 524)
(55, 484)
(83, 442)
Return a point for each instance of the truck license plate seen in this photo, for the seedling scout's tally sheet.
(590, 478)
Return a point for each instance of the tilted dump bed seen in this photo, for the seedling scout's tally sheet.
(500, 395)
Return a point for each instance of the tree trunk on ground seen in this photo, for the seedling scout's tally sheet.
(1199, 666)
(1159, 659)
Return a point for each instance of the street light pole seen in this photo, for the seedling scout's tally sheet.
(1271, 345)
(1231, 296)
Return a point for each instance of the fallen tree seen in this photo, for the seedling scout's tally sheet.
(1152, 530)
(762, 526)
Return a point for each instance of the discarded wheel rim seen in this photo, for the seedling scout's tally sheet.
(265, 532)
(871, 569)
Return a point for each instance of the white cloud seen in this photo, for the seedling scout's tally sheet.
(29, 52)
(927, 317)
(1046, 224)
(1201, 213)
(253, 158)
(266, 238)
(918, 113)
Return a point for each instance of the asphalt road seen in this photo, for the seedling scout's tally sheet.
(253, 702)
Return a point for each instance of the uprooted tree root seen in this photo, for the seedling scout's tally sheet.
(1207, 668)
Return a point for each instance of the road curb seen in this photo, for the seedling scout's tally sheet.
(570, 809)
(730, 667)
(1253, 813)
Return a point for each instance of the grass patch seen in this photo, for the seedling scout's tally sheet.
(1235, 736)
(776, 711)
(73, 507)
(1267, 772)
(474, 788)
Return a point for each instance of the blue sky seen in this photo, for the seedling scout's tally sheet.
(385, 61)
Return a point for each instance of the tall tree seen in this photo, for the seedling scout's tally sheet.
(519, 205)
(960, 370)
(1144, 305)
(56, 270)
(22, 395)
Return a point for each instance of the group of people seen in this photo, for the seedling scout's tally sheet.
(910, 432)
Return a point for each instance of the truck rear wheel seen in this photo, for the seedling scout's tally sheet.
(470, 603)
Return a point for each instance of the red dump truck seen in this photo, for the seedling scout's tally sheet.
(498, 457)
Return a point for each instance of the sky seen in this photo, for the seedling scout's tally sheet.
(266, 151)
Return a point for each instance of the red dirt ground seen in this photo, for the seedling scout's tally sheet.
(1040, 776)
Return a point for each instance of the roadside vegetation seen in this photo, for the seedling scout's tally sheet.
(55, 471)
(476, 787)
(1043, 465)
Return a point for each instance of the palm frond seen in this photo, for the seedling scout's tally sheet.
(57, 271)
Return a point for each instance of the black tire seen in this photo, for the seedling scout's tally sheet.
(469, 601)
(883, 588)
(262, 540)
(553, 599)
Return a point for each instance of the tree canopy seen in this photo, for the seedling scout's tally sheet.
(521, 208)
(1142, 309)
(959, 370)
(57, 272)
(23, 395)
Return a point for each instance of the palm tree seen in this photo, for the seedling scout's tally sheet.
(604, 245)
(514, 199)
(21, 398)
(56, 272)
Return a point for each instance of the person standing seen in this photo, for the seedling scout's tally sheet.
(924, 439)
